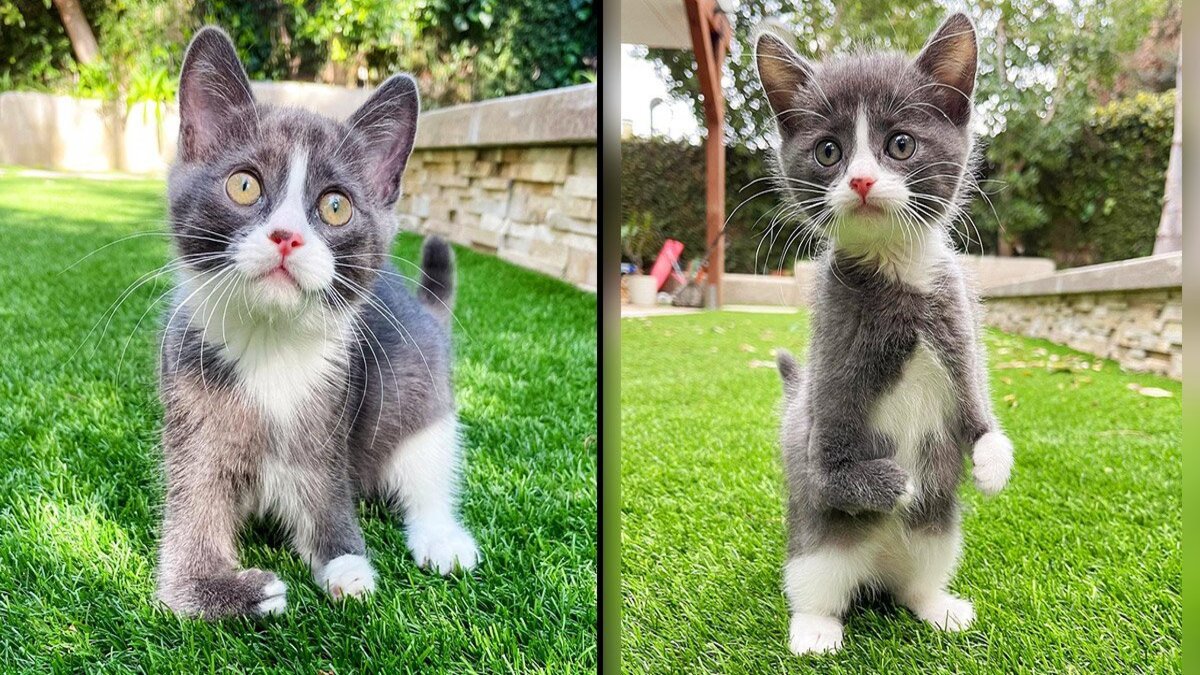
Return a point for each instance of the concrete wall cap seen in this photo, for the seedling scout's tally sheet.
(1156, 271)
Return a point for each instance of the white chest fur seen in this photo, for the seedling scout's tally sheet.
(918, 405)
(282, 370)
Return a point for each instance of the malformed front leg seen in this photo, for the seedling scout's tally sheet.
(875, 485)
(198, 571)
(318, 508)
(421, 479)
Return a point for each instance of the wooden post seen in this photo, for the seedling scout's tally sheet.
(710, 40)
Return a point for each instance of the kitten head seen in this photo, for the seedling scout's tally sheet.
(874, 147)
(282, 209)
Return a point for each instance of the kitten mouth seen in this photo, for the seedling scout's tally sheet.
(868, 209)
(282, 274)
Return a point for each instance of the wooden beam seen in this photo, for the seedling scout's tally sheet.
(710, 40)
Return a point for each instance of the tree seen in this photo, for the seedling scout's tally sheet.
(1170, 228)
(83, 42)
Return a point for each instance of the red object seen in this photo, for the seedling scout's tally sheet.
(665, 264)
(286, 240)
(862, 186)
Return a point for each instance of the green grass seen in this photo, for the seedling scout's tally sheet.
(80, 487)
(1075, 567)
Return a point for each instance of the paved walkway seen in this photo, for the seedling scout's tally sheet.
(633, 312)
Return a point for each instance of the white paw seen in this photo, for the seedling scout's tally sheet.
(947, 612)
(811, 634)
(993, 458)
(276, 602)
(442, 547)
(347, 576)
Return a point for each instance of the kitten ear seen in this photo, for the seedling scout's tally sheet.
(215, 103)
(951, 57)
(783, 73)
(388, 121)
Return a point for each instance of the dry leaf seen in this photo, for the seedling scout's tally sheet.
(748, 348)
(756, 363)
(1155, 392)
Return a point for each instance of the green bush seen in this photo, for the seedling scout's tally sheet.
(1106, 201)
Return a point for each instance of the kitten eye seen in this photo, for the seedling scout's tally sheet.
(334, 208)
(243, 188)
(828, 152)
(901, 146)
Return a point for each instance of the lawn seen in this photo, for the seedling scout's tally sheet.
(1075, 567)
(81, 492)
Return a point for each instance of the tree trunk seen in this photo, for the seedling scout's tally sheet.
(1170, 226)
(83, 41)
(1003, 245)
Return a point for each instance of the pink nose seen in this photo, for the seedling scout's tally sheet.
(286, 240)
(862, 186)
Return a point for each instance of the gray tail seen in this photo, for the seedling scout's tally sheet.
(437, 277)
(789, 371)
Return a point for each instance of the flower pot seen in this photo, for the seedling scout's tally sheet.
(643, 290)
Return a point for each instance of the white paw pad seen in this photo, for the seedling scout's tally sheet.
(276, 598)
(347, 576)
(948, 613)
(908, 496)
(811, 634)
(993, 458)
(443, 548)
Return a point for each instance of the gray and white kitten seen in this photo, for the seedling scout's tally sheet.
(874, 153)
(298, 373)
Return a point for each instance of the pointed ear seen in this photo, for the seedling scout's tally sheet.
(215, 103)
(783, 73)
(951, 57)
(388, 121)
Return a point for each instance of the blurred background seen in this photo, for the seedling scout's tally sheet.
(459, 50)
(1075, 103)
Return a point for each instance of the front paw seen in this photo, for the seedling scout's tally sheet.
(993, 458)
(442, 547)
(247, 593)
(347, 576)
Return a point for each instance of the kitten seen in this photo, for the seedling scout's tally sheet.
(874, 152)
(297, 372)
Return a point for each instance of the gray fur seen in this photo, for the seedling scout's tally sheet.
(842, 481)
(394, 372)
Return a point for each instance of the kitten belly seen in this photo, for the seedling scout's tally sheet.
(916, 407)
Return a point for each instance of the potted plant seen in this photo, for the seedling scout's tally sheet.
(639, 238)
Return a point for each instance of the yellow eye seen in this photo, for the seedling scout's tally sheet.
(243, 188)
(334, 208)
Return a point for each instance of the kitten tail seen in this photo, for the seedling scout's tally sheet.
(789, 371)
(437, 277)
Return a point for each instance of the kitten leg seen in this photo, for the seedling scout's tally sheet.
(819, 587)
(198, 571)
(319, 512)
(421, 478)
(993, 461)
(932, 558)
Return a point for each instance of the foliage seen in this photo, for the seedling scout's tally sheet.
(1043, 67)
(459, 50)
(639, 237)
(666, 180)
(1105, 201)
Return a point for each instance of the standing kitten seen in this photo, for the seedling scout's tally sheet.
(297, 372)
(874, 152)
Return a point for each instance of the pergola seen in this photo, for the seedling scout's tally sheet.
(702, 26)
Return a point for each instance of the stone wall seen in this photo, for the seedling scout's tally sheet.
(514, 177)
(1131, 312)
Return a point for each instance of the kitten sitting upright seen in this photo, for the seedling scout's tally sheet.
(297, 372)
(874, 152)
